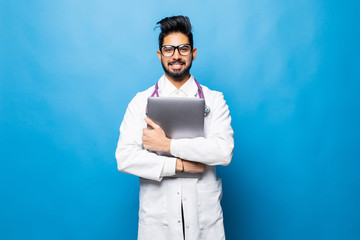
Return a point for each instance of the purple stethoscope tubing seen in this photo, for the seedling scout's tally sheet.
(201, 94)
(200, 91)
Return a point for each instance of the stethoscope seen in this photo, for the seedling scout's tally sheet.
(200, 91)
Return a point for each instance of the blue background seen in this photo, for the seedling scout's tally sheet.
(289, 71)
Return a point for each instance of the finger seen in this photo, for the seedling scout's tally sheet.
(151, 123)
(146, 132)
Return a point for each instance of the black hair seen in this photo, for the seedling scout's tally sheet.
(175, 24)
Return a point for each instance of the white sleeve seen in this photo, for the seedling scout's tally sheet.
(169, 168)
(130, 154)
(217, 147)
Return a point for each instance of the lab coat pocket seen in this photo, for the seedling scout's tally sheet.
(152, 209)
(208, 201)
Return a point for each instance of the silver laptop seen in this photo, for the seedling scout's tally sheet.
(179, 117)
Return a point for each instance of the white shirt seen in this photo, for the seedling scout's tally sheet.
(162, 191)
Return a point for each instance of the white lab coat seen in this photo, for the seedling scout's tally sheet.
(161, 197)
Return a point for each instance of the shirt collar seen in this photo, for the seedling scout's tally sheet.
(166, 88)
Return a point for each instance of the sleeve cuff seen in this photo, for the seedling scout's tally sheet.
(169, 167)
(175, 148)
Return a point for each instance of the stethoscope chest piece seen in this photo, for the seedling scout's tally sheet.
(206, 110)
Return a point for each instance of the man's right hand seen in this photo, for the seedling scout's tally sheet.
(189, 166)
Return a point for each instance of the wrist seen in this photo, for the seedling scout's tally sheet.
(167, 144)
(179, 165)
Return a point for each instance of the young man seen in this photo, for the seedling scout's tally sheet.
(173, 206)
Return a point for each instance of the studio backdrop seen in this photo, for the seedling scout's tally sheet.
(289, 71)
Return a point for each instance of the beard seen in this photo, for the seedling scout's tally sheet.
(177, 76)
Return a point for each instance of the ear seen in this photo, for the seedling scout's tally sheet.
(194, 52)
(159, 54)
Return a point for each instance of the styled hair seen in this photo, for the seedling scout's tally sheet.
(175, 24)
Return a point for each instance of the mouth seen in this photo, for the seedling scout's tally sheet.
(176, 64)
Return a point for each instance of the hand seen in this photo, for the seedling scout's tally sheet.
(189, 166)
(155, 139)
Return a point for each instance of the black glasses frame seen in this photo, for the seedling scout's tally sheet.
(176, 47)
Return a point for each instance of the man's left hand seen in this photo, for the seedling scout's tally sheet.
(155, 139)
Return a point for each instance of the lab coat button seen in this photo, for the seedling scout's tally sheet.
(178, 193)
(179, 221)
(187, 227)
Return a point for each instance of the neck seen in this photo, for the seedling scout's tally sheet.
(178, 83)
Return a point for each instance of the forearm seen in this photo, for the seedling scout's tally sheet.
(214, 151)
(134, 160)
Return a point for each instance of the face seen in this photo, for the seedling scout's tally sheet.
(177, 67)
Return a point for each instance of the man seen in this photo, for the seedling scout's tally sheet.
(187, 205)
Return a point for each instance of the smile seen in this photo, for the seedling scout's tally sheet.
(176, 66)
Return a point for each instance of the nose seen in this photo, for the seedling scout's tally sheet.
(176, 54)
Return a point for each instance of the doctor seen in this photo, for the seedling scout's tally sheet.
(180, 195)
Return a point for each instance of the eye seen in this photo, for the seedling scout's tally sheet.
(184, 48)
(168, 49)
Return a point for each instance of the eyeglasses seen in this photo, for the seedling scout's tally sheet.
(169, 50)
